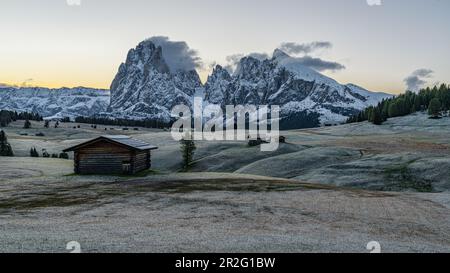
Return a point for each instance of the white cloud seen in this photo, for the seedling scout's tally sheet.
(73, 2)
(305, 48)
(177, 54)
(374, 2)
(418, 79)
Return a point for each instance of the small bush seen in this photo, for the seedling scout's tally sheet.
(34, 152)
(64, 156)
(45, 153)
(255, 142)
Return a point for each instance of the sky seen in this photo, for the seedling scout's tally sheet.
(388, 46)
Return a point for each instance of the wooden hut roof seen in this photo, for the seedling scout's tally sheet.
(126, 141)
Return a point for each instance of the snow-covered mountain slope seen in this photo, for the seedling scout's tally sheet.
(145, 88)
(302, 93)
(55, 103)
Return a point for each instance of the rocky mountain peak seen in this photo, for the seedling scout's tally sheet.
(220, 73)
(147, 56)
(218, 84)
(306, 97)
(279, 54)
(145, 88)
(246, 66)
(154, 78)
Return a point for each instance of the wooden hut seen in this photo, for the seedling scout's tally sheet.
(112, 155)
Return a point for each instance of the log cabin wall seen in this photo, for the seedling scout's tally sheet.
(141, 161)
(104, 157)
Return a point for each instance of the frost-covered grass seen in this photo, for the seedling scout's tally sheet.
(214, 212)
(352, 155)
(43, 205)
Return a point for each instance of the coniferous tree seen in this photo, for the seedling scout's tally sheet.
(5, 147)
(434, 109)
(376, 116)
(5, 118)
(125, 122)
(187, 151)
(385, 110)
(444, 97)
(27, 124)
(416, 104)
(406, 104)
(393, 109)
(34, 152)
(370, 111)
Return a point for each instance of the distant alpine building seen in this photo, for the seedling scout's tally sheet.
(112, 155)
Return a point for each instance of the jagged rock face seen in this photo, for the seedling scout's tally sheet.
(298, 90)
(55, 103)
(145, 87)
(219, 86)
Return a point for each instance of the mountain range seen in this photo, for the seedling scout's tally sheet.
(145, 87)
(55, 103)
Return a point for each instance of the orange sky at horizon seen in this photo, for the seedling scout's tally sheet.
(49, 43)
(60, 79)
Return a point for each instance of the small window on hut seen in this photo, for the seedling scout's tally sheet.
(126, 167)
